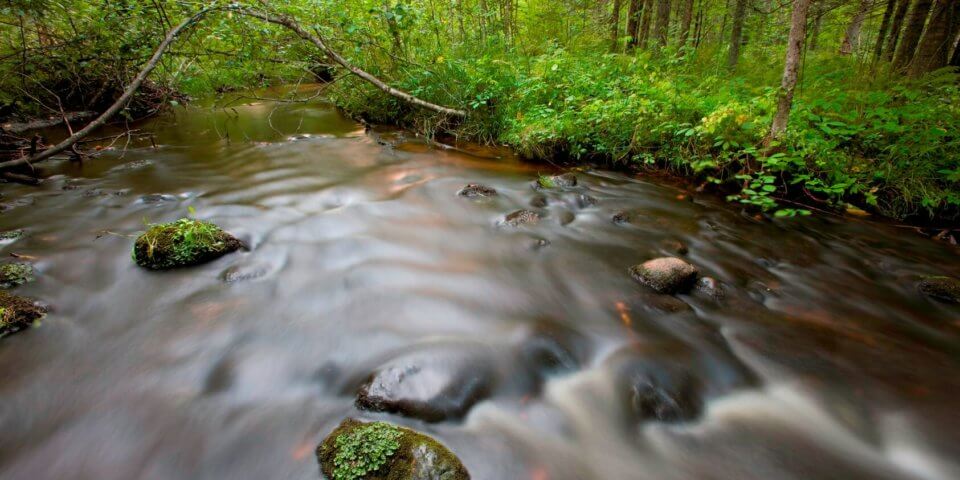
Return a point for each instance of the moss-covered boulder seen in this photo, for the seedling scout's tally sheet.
(666, 275)
(17, 313)
(182, 243)
(944, 289)
(564, 180)
(382, 451)
(15, 274)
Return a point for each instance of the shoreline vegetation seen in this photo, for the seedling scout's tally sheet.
(871, 88)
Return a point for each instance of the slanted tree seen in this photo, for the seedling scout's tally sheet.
(934, 48)
(615, 27)
(645, 23)
(686, 18)
(884, 26)
(791, 68)
(911, 34)
(633, 22)
(663, 22)
(736, 33)
(851, 39)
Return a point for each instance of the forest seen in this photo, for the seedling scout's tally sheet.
(784, 107)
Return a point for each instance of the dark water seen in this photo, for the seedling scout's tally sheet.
(822, 361)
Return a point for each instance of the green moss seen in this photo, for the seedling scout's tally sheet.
(15, 274)
(546, 181)
(11, 234)
(17, 313)
(182, 243)
(412, 455)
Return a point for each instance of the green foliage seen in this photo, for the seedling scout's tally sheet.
(15, 274)
(546, 181)
(183, 242)
(364, 450)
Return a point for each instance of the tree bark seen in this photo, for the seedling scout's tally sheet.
(633, 22)
(686, 19)
(645, 24)
(884, 26)
(911, 34)
(896, 24)
(791, 68)
(851, 39)
(663, 22)
(817, 21)
(934, 48)
(615, 27)
(736, 35)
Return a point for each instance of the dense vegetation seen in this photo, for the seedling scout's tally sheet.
(691, 86)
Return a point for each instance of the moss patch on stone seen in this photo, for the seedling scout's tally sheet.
(17, 313)
(15, 274)
(182, 243)
(945, 289)
(11, 234)
(415, 456)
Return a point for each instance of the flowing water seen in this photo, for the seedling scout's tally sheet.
(820, 361)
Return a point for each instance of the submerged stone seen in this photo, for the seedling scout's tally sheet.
(710, 287)
(665, 275)
(620, 218)
(382, 451)
(476, 190)
(11, 234)
(15, 274)
(522, 217)
(432, 385)
(182, 243)
(556, 181)
(17, 313)
(944, 289)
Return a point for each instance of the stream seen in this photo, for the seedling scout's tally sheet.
(820, 360)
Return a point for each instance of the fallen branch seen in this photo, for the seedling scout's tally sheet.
(172, 35)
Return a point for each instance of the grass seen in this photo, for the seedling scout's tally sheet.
(186, 241)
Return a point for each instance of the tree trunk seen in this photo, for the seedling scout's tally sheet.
(615, 27)
(736, 36)
(508, 20)
(817, 21)
(851, 39)
(645, 24)
(698, 31)
(798, 30)
(933, 50)
(955, 60)
(633, 22)
(896, 24)
(686, 19)
(663, 22)
(911, 34)
(884, 25)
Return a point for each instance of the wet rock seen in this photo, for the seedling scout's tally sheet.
(134, 165)
(675, 246)
(621, 218)
(664, 304)
(11, 235)
(539, 201)
(584, 201)
(539, 243)
(17, 313)
(476, 190)
(521, 217)
(658, 388)
(410, 455)
(182, 243)
(245, 272)
(710, 287)
(565, 180)
(944, 289)
(15, 274)
(432, 385)
(157, 198)
(552, 348)
(665, 275)
(567, 217)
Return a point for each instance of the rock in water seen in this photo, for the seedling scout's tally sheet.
(563, 181)
(476, 190)
(15, 274)
(945, 289)
(431, 385)
(182, 243)
(382, 451)
(710, 287)
(521, 217)
(665, 275)
(17, 313)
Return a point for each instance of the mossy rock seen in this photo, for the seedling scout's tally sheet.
(944, 289)
(666, 275)
(11, 235)
(381, 451)
(17, 313)
(15, 274)
(564, 180)
(182, 243)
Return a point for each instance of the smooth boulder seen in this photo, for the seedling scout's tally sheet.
(666, 275)
(182, 243)
(17, 313)
(383, 451)
(944, 289)
(434, 384)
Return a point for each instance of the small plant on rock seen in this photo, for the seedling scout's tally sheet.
(186, 241)
(15, 274)
(364, 450)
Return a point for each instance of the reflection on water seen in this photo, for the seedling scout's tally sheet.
(820, 361)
